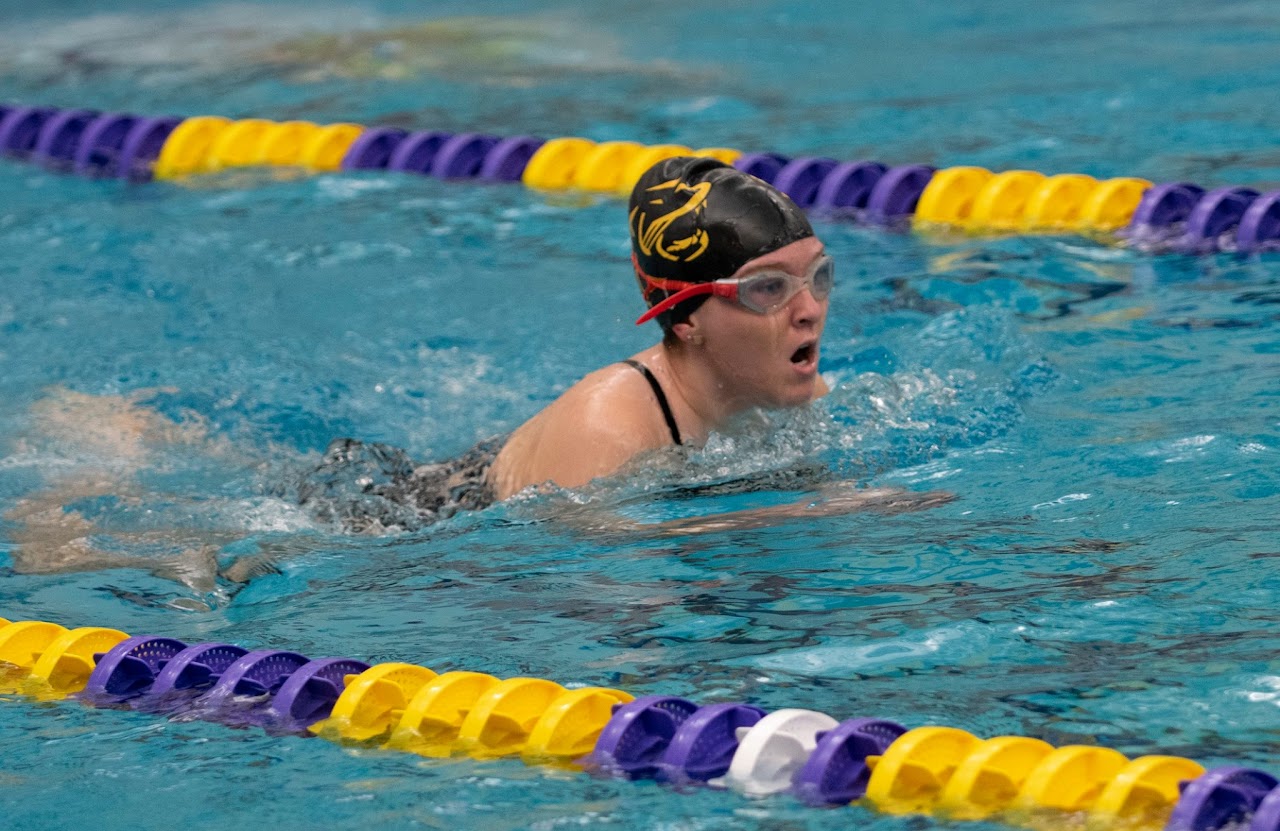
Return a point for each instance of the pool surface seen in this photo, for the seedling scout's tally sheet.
(175, 356)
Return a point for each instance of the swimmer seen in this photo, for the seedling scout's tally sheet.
(739, 284)
(729, 268)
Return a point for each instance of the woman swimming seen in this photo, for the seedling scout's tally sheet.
(730, 269)
(735, 277)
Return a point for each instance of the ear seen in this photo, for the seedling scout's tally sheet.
(689, 333)
(690, 330)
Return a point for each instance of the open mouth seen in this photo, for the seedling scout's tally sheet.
(806, 354)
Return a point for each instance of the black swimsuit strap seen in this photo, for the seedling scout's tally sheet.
(660, 395)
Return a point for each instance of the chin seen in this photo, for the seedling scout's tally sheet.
(796, 395)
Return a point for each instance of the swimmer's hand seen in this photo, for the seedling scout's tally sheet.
(844, 497)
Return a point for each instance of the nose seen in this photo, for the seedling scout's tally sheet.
(807, 310)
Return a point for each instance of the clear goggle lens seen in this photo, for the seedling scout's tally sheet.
(768, 291)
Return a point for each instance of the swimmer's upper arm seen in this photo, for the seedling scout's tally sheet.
(596, 431)
(578, 450)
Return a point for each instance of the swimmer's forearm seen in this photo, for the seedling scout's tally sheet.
(831, 501)
(879, 500)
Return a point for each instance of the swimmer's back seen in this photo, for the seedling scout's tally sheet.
(595, 427)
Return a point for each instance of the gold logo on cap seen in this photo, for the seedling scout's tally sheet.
(652, 238)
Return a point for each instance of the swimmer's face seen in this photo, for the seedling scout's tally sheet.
(764, 360)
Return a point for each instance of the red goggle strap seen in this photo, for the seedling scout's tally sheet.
(683, 291)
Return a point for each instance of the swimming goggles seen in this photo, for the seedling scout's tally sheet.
(763, 292)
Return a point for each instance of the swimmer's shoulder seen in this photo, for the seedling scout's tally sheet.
(595, 427)
(614, 401)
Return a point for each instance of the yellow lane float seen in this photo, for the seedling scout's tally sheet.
(435, 714)
(1055, 205)
(568, 728)
(324, 149)
(67, 662)
(553, 165)
(1002, 200)
(1112, 203)
(186, 151)
(240, 143)
(911, 775)
(373, 702)
(1141, 796)
(22, 643)
(948, 198)
(1070, 778)
(988, 780)
(601, 169)
(284, 143)
(504, 715)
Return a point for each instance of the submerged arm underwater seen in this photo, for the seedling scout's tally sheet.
(92, 450)
(102, 444)
(831, 499)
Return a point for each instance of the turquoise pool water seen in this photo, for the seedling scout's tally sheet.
(1107, 419)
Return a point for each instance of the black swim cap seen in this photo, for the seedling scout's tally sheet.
(697, 220)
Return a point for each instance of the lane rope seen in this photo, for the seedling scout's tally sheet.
(879, 764)
(1176, 216)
